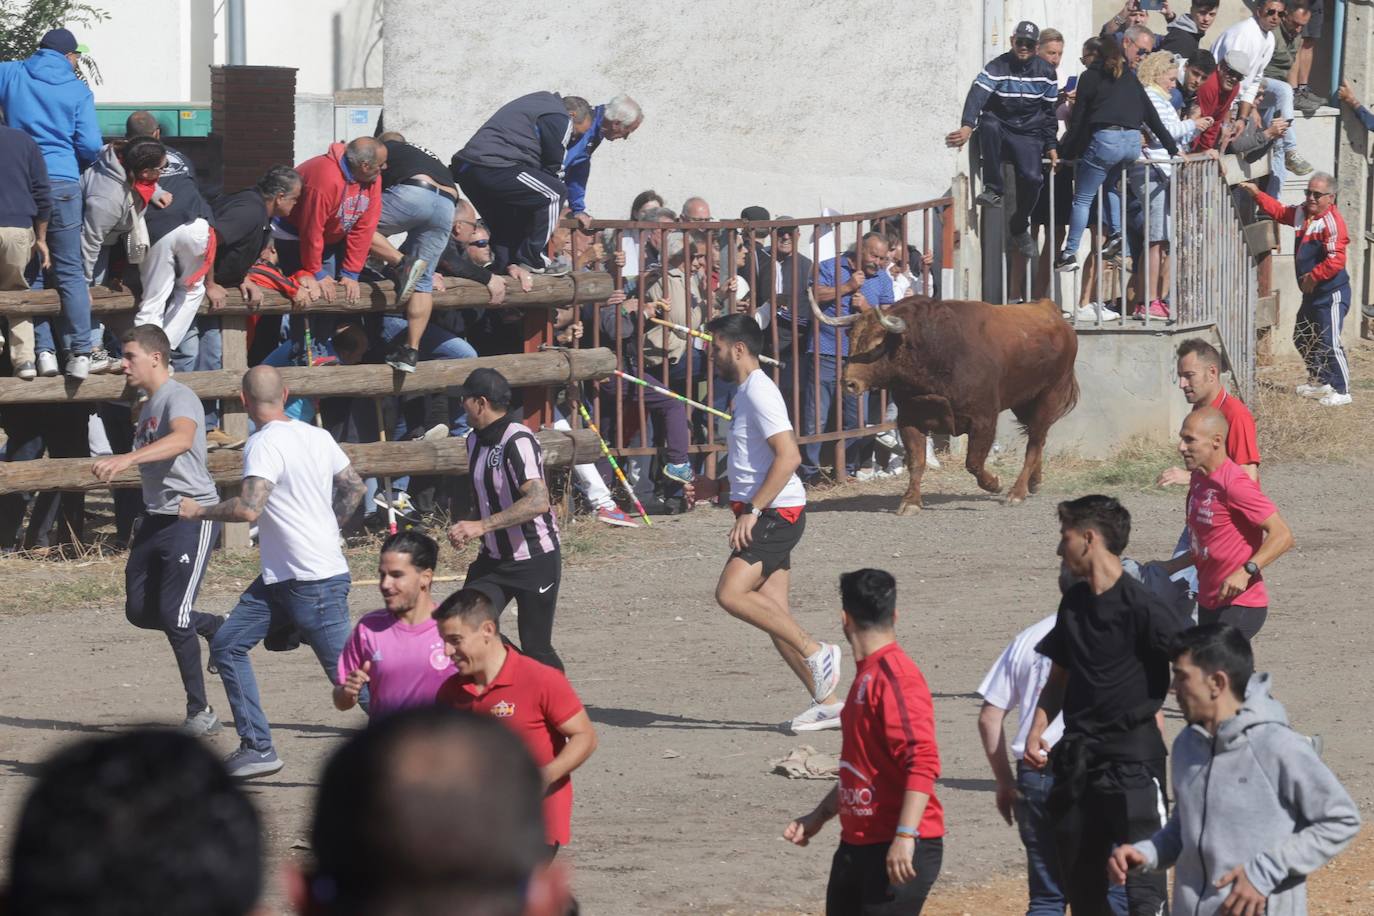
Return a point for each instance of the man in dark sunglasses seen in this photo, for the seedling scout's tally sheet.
(1011, 103)
(1319, 255)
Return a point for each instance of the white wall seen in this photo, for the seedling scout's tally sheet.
(161, 50)
(792, 104)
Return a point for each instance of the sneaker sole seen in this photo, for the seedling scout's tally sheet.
(254, 770)
(417, 270)
(676, 478)
(617, 522)
(401, 367)
(815, 726)
(826, 690)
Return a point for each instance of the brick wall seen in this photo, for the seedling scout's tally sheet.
(253, 112)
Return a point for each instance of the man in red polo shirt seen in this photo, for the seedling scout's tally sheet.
(1199, 377)
(891, 825)
(1234, 529)
(533, 699)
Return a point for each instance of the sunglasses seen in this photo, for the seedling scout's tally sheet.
(1272, 14)
(480, 243)
(1316, 195)
(1233, 74)
(1024, 43)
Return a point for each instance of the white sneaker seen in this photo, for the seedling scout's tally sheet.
(1309, 390)
(47, 364)
(825, 670)
(1335, 399)
(818, 717)
(78, 367)
(1089, 313)
(865, 474)
(889, 440)
(931, 460)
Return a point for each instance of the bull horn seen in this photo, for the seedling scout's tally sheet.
(841, 322)
(891, 323)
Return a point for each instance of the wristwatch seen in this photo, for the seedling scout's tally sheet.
(751, 509)
(1251, 567)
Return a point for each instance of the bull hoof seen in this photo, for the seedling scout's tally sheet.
(991, 483)
(909, 508)
(1016, 500)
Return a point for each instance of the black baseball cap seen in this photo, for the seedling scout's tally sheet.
(489, 384)
(59, 40)
(1026, 31)
(754, 213)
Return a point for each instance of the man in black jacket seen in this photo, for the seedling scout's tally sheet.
(243, 231)
(1012, 105)
(512, 171)
(1184, 35)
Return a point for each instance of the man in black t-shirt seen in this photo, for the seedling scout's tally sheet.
(1110, 650)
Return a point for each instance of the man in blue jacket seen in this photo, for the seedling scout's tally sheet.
(1011, 102)
(512, 171)
(44, 97)
(615, 120)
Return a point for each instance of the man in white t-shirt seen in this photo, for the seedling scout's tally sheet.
(299, 488)
(770, 507)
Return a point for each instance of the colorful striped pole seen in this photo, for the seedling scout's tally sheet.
(674, 395)
(702, 335)
(615, 466)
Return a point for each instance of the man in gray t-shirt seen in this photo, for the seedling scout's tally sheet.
(166, 481)
(169, 554)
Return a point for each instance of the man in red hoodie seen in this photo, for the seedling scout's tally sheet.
(1216, 95)
(892, 827)
(330, 230)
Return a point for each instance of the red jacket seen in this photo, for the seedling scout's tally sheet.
(1212, 104)
(334, 206)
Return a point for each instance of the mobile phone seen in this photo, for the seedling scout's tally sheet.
(1071, 85)
(1150, 4)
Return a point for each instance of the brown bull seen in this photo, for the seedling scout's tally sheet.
(952, 366)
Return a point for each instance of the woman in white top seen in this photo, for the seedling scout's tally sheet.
(1158, 73)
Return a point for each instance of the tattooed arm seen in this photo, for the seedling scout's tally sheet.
(533, 501)
(246, 507)
(348, 493)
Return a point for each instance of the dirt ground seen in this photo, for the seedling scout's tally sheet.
(678, 811)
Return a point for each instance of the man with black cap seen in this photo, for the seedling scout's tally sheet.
(511, 514)
(757, 269)
(45, 98)
(1011, 102)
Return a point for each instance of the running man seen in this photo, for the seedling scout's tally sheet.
(298, 487)
(892, 826)
(397, 653)
(168, 556)
(1234, 529)
(534, 700)
(770, 516)
(511, 514)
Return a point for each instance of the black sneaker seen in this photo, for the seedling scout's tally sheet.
(989, 198)
(1065, 262)
(1112, 247)
(402, 358)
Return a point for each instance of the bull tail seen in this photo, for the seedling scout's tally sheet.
(1071, 399)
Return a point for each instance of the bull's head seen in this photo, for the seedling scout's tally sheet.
(868, 335)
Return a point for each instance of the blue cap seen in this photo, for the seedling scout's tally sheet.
(59, 40)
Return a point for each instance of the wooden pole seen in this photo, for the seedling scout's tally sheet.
(521, 370)
(370, 459)
(376, 297)
(234, 422)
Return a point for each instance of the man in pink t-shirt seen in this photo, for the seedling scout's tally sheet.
(397, 653)
(1234, 530)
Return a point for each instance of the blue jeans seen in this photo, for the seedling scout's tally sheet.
(68, 274)
(1037, 835)
(209, 356)
(811, 409)
(319, 611)
(427, 219)
(435, 343)
(1108, 153)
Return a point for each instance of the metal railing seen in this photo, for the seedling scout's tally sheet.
(782, 275)
(1210, 275)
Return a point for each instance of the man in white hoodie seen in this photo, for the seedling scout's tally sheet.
(1255, 809)
(1254, 37)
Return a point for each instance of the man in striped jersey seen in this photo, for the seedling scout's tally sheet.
(511, 514)
(168, 555)
(1011, 103)
(1319, 261)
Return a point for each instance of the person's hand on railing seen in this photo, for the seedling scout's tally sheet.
(1053, 156)
(216, 295)
(496, 290)
(1203, 124)
(439, 285)
(309, 291)
(251, 293)
(619, 258)
(956, 139)
(584, 220)
(522, 276)
(1249, 187)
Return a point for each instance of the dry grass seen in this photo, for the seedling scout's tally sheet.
(1295, 429)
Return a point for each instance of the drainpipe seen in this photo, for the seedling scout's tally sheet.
(1337, 52)
(238, 44)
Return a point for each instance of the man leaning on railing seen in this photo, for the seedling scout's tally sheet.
(1319, 261)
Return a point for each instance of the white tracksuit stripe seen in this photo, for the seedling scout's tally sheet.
(197, 570)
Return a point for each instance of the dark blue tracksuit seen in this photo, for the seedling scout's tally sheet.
(1011, 103)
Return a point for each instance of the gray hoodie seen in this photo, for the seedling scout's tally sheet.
(109, 207)
(1255, 795)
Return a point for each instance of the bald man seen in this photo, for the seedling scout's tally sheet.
(1234, 529)
(298, 488)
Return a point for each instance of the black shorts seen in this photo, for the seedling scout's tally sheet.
(858, 880)
(774, 538)
(1249, 620)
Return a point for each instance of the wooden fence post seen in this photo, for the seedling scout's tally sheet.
(234, 335)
